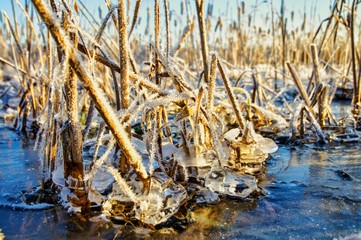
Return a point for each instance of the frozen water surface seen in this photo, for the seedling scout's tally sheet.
(310, 192)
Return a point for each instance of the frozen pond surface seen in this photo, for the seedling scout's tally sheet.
(311, 191)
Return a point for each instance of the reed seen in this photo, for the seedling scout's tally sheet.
(356, 79)
(135, 16)
(231, 96)
(167, 27)
(124, 71)
(203, 36)
(212, 81)
(123, 57)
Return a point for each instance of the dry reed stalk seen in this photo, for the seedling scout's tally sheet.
(150, 62)
(158, 69)
(71, 88)
(212, 82)
(123, 56)
(71, 130)
(299, 84)
(133, 63)
(53, 145)
(316, 95)
(116, 89)
(315, 124)
(323, 106)
(165, 120)
(185, 144)
(104, 24)
(109, 6)
(95, 93)
(356, 79)
(124, 72)
(135, 16)
(231, 96)
(274, 49)
(196, 128)
(99, 142)
(88, 120)
(156, 27)
(186, 32)
(316, 74)
(284, 47)
(14, 16)
(302, 122)
(203, 37)
(316, 64)
(49, 55)
(166, 16)
(257, 91)
(53, 6)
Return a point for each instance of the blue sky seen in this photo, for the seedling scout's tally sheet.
(225, 8)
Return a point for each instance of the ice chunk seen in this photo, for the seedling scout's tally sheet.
(206, 196)
(192, 159)
(251, 148)
(168, 149)
(232, 184)
(266, 145)
(278, 122)
(58, 176)
(102, 180)
(164, 199)
(139, 145)
(232, 134)
(96, 150)
(95, 198)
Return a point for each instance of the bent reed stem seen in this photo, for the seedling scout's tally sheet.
(95, 92)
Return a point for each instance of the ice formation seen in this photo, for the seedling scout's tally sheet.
(229, 183)
(250, 150)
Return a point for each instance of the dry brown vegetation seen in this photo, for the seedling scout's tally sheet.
(80, 90)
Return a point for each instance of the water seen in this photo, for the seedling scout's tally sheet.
(311, 191)
(19, 169)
